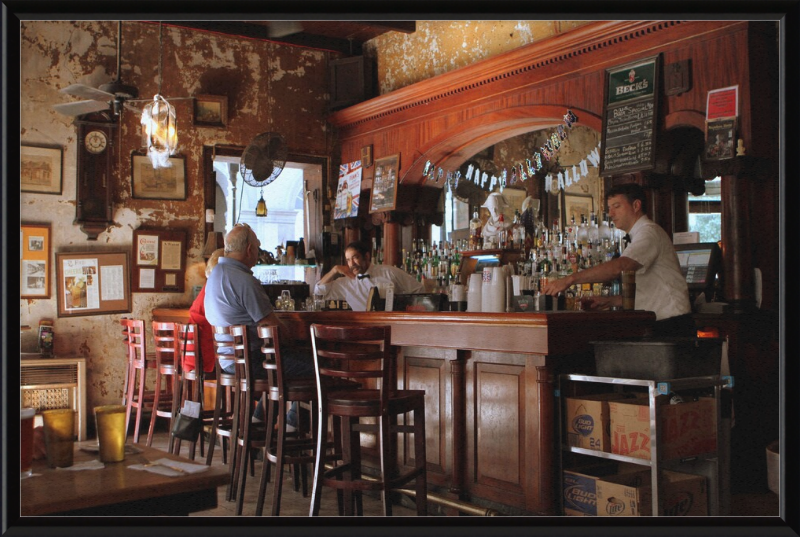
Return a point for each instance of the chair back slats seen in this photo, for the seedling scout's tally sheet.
(165, 343)
(359, 353)
(188, 344)
(136, 340)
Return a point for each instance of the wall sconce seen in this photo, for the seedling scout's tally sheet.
(261, 206)
(212, 243)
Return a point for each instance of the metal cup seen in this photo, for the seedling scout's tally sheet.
(59, 436)
(110, 421)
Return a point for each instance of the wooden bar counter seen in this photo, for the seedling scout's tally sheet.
(488, 381)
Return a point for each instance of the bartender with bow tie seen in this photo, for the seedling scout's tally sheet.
(352, 282)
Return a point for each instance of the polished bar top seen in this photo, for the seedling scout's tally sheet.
(55, 491)
(547, 333)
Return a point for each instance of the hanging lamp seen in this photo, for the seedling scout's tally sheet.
(159, 124)
(261, 206)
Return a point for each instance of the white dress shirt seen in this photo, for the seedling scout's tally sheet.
(356, 290)
(660, 285)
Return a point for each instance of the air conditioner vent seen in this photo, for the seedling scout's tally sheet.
(49, 375)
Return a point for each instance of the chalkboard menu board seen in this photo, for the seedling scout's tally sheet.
(630, 118)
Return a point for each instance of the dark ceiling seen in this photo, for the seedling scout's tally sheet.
(345, 37)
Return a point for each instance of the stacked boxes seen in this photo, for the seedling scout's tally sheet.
(624, 490)
(587, 421)
(687, 429)
(630, 494)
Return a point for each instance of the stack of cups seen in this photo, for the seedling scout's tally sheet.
(628, 289)
(498, 292)
(486, 290)
(475, 292)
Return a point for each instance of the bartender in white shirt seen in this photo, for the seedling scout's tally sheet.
(360, 276)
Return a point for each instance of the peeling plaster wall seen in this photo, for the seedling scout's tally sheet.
(438, 47)
(269, 87)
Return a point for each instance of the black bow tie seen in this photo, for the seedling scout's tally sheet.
(627, 238)
(362, 276)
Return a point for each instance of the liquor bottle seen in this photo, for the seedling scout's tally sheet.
(475, 227)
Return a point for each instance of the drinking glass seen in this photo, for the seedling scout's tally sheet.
(110, 421)
(26, 416)
(59, 436)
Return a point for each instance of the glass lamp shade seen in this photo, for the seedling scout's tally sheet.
(261, 207)
(159, 131)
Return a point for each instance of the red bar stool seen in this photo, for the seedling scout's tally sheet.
(139, 361)
(245, 435)
(294, 448)
(222, 420)
(166, 370)
(364, 354)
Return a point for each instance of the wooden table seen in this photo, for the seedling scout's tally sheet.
(118, 491)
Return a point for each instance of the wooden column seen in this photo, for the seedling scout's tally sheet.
(391, 244)
(459, 402)
(736, 253)
(349, 235)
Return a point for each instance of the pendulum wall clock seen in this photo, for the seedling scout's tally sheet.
(95, 154)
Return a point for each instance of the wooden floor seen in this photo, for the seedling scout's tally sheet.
(293, 503)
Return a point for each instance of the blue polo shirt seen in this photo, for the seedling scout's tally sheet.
(235, 296)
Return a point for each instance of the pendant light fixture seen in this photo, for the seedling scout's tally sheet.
(159, 125)
(261, 206)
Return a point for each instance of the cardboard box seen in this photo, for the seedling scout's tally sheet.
(587, 421)
(630, 494)
(687, 429)
(579, 485)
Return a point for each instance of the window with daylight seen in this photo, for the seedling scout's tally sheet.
(705, 212)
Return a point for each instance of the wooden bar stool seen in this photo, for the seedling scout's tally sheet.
(222, 420)
(293, 448)
(364, 354)
(245, 435)
(191, 384)
(166, 371)
(139, 362)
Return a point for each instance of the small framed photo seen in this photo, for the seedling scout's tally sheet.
(384, 184)
(158, 183)
(34, 261)
(577, 205)
(211, 110)
(366, 156)
(40, 169)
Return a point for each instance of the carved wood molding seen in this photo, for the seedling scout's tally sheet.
(522, 61)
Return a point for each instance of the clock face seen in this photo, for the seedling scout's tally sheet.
(96, 142)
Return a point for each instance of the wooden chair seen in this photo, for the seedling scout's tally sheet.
(245, 435)
(192, 382)
(166, 371)
(139, 362)
(364, 354)
(222, 419)
(284, 448)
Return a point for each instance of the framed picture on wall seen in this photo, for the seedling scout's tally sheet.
(211, 110)
(158, 183)
(34, 270)
(93, 283)
(384, 184)
(40, 169)
(577, 205)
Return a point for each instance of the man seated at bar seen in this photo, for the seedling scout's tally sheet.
(361, 275)
(235, 296)
(660, 285)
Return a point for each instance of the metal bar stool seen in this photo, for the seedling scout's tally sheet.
(364, 354)
(139, 361)
(295, 448)
(166, 370)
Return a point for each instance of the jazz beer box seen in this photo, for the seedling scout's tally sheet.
(687, 429)
(587, 421)
(630, 494)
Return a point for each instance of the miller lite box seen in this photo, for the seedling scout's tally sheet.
(687, 429)
(630, 494)
(579, 485)
(587, 421)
